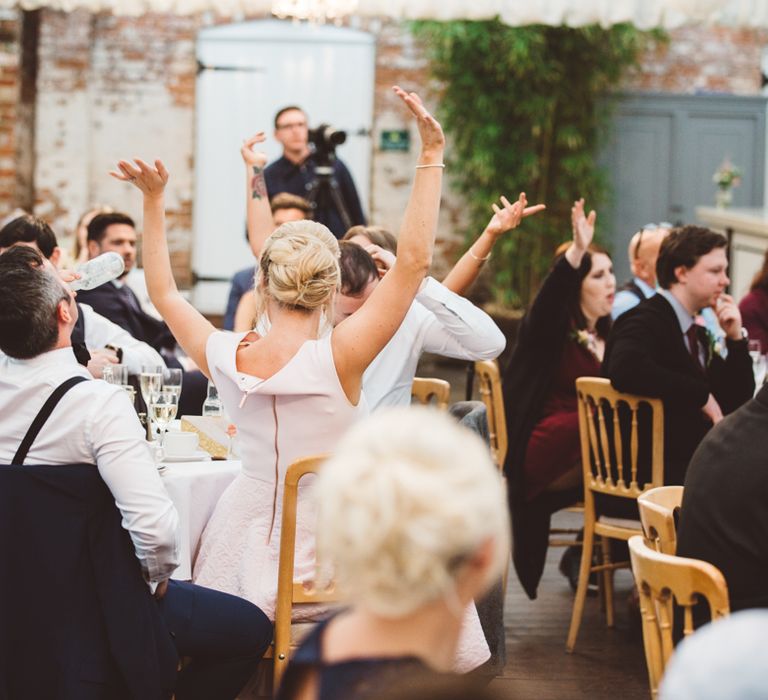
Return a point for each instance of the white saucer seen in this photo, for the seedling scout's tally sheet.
(197, 456)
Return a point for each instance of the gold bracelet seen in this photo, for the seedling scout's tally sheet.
(431, 165)
(480, 260)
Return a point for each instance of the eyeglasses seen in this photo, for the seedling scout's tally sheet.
(291, 125)
(649, 227)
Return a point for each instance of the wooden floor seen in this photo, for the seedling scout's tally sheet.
(607, 663)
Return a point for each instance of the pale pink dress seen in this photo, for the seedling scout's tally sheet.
(301, 410)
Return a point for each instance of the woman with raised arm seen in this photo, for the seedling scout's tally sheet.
(562, 337)
(293, 390)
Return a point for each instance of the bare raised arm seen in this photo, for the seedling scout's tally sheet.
(190, 328)
(466, 270)
(583, 231)
(358, 339)
(258, 212)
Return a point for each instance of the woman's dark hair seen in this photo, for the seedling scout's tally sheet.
(29, 229)
(603, 326)
(683, 247)
(358, 268)
(29, 297)
(760, 280)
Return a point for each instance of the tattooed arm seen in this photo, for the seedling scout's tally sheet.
(259, 213)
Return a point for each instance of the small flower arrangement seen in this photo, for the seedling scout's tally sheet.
(726, 177)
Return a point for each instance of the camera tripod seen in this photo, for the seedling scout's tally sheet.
(323, 192)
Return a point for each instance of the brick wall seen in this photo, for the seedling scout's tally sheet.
(703, 59)
(9, 95)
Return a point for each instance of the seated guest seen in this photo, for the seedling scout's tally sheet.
(294, 389)
(658, 350)
(116, 232)
(561, 338)
(94, 423)
(724, 518)
(438, 321)
(97, 342)
(413, 529)
(726, 659)
(285, 207)
(754, 307)
(643, 253)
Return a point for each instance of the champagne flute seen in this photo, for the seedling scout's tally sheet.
(172, 378)
(163, 407)
(150, 381)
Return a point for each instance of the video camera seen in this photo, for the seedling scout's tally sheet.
(325, 139)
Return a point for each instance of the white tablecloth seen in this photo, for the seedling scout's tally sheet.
(195, 488)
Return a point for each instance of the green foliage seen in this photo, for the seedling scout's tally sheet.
(523, 109)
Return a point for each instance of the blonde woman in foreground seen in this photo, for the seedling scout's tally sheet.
(415, 529)
(292, 391)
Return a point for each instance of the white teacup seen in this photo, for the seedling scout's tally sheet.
(180, 443)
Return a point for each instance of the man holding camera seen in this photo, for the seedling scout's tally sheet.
(316, 175)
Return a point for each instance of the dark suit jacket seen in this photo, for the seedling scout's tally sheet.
(122, 307)
(724, 516)
(242, 282)
(646, 354)
(77, 621)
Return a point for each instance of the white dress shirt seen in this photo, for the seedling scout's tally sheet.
(440, 322)
(100, 332)
(94, 423)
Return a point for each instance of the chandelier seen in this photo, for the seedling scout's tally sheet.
(314, 11)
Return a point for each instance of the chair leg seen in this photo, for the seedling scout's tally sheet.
(581, 589)
(607, 581)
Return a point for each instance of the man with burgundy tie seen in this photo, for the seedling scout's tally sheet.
(116, 232)
(658, 350)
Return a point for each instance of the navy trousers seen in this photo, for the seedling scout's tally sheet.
(225, 637)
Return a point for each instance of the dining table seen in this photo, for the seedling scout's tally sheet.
(195, 488)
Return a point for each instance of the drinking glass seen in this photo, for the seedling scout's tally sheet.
(150, 381)
(163, 406)
(172, 380)
(212, 405)
(115, 374)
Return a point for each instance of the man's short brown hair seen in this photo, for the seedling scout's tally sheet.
(286, 200)
(684, 246)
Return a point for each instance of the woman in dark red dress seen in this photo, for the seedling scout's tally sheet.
(754, 307)
(561, 338)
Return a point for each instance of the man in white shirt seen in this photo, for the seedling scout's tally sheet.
(438, 321)
(95, 423)
(105, 341)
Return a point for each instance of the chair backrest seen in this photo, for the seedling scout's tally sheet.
(663, 581)
(288, 591)
(657, 513)
(610, 457)
(489, 385)
(424, 389)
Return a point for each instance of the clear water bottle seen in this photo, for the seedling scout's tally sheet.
(101, 269)
(212, 405)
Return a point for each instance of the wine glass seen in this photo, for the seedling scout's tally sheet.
(150, 381)
(115, 374)
(759, 364)
(163, 406)
(172, 378)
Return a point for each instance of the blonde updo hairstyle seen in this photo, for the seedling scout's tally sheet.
(408, 497)
(299, 268)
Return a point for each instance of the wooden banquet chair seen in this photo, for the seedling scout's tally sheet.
(664, 581)
(658, 508)
(609, 474)
(289, 592)
(424, 389)
(489, 386)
